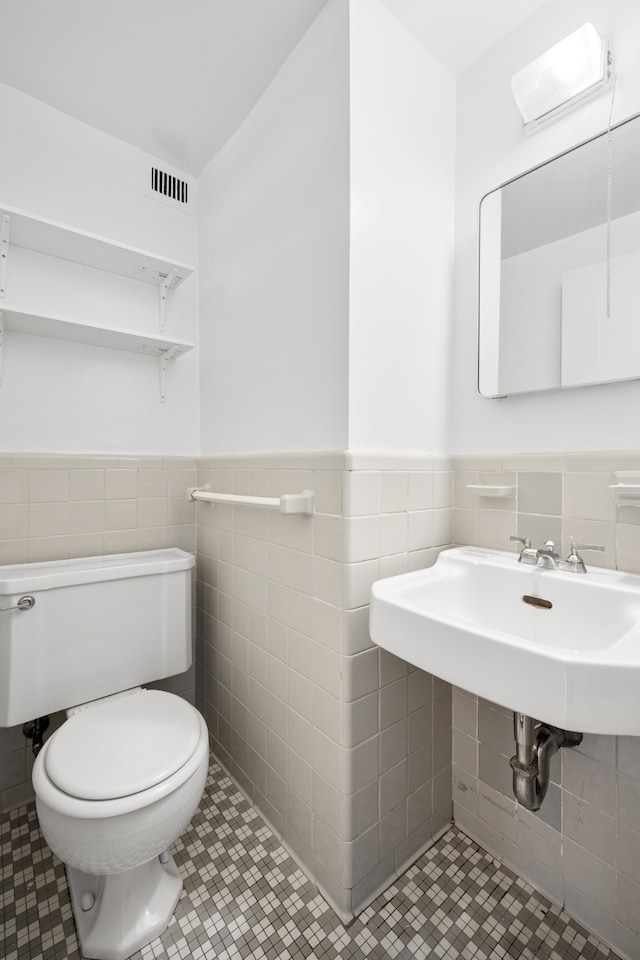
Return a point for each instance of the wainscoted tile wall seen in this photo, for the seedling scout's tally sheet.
(583, 848)
(345, 749)
(55, 507)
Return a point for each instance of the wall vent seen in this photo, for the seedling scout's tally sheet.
(168, 185)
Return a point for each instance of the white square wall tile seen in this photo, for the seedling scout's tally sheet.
(360, 675)
(13, 521)
(327, 580)
(153, 513)
(13, 486)
(48, 485)
(394, 491)
(48, 519)
(420, 529)
(327, 670)
(587, 496)
(121, 484)
(327, 536)
(394, 565)
(361, 538)
(355, 625)
(121, 514)
(327, 625)
(420, 490)
(86, 516)
(394, 537)
(327, 486)
(358, 578)
(361, 493)
(442, 489)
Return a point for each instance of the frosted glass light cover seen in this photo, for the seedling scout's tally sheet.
(572, 69)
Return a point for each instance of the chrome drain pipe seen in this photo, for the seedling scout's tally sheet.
(536, 743)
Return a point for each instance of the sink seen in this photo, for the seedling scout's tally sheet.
(558, 646)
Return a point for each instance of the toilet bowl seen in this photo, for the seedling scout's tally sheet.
(115, 786)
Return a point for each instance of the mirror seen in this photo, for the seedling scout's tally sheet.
(559, 299)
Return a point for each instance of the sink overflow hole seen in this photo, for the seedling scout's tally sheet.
(537, 602)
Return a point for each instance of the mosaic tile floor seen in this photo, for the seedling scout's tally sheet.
(246, 899)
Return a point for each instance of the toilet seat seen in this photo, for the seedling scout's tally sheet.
(70, 806)
(120, 747)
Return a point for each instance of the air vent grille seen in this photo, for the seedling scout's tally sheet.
(169, 186)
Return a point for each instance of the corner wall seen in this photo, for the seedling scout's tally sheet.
(345, 749)
(274, 259)
(64, 397)
(402, 156)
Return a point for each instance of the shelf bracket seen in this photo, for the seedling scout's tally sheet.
(165, 357)
(1, 340)
(165, 285)
(5, 228)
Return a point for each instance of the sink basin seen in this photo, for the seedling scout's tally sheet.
(558, 646)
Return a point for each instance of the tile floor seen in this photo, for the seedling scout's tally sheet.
(245, 898)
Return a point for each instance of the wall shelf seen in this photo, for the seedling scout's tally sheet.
(494, 491)
(626, 491)
(75, 331)
(57, 240)
(20, 229)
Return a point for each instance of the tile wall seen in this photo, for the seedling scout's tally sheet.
(583, 848)
(54, 507)
(344, 749)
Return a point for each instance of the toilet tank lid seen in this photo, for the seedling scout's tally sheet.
(25, 577)
(122, 746)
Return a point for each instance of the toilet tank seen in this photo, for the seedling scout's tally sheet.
(98, 625)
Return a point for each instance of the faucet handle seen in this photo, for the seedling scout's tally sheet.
(586, 546)
(526, 554)
(574, 561)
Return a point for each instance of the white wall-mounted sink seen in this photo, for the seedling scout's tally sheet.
(573, 662)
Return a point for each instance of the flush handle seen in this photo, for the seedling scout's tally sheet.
(24, 603)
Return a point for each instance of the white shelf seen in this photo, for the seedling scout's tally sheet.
(494, 491)
(626, 492)
(57, 240)
(76, 331)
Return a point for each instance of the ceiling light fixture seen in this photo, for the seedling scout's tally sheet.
(574, 69)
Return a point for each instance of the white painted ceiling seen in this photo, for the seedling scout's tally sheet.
(177, 77)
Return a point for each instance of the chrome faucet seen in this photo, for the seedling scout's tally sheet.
(548, 557)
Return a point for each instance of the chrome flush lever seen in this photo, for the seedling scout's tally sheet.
(24, 603)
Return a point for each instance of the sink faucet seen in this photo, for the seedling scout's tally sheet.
(548, 557)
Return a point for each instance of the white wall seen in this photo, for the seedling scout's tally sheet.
(274, 255)
(69, 398)
(491, 149)
(402, 163)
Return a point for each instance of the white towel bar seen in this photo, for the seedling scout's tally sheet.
(288, 503)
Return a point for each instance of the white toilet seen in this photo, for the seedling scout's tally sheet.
(120, 780)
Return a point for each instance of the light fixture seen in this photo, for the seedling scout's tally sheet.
(575, 68)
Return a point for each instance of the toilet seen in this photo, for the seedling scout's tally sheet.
(122, 777)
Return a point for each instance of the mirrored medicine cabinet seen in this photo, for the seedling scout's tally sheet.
(559, 295)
